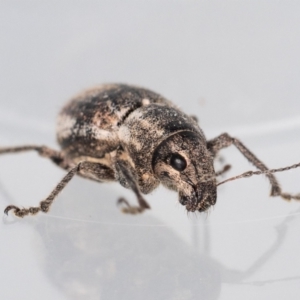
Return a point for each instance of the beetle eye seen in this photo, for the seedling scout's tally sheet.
(177, 162)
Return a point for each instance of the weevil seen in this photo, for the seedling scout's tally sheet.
(124, 133)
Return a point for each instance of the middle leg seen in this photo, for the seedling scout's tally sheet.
(126, 175)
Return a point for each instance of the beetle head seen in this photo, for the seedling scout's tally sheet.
(183, 163)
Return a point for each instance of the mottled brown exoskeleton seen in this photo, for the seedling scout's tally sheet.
(134, 136)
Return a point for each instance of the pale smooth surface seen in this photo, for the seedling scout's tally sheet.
(236, 66)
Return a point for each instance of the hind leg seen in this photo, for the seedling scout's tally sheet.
(55, 156)
(125, 174)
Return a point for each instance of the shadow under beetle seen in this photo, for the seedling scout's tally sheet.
(124, 133)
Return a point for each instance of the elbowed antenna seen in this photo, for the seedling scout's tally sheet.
(271, 171)
(251, 173)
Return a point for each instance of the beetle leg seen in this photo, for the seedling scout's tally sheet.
(225, 169)
(225, 140)
(129, 209)
(83, 168)
(124, 172)
(56, 156)
(45, 204)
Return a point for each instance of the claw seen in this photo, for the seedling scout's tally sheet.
(123, 201)
(10, 207)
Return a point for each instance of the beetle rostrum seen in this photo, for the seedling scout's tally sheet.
(123, 133)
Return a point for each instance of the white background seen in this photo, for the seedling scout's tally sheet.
(234, 64)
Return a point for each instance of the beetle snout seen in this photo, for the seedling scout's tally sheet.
(189, 201)
(183, 200)
(207, 196)
(203, 196)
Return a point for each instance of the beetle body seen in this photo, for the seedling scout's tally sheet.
(115, 122)
(118, 132)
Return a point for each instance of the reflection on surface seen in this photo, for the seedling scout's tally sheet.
(97, 261)
(111, 256)
(92, 251)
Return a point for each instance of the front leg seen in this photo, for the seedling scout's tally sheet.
(85, 169)
(126, 178)
(225, 140)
